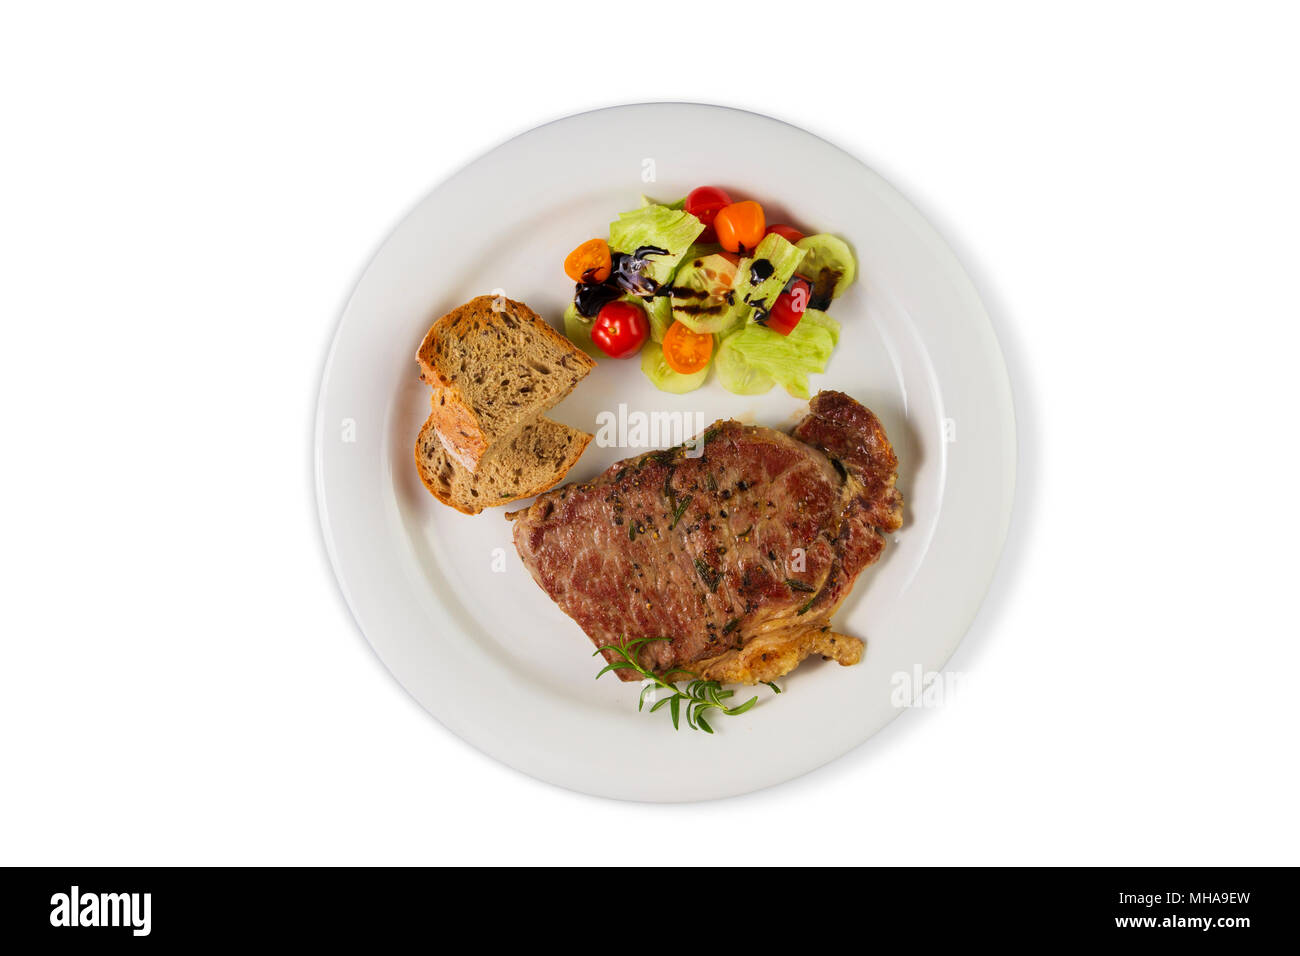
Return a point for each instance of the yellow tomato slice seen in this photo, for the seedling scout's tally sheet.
(590, 262)
(686, 352)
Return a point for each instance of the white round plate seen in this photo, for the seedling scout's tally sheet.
(442, 596)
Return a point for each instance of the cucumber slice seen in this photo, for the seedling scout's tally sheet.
(738, 376)
(664, 378)
(578, 328)
(661, 316)
(700, 292)
(829, 265)
(797, 386)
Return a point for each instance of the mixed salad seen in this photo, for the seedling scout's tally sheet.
(705, 281)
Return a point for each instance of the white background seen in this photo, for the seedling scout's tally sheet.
(186, 199)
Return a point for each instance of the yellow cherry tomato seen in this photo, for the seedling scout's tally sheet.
(686, 352)
(590, 262)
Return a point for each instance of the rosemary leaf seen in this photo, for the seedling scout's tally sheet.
(681, 510)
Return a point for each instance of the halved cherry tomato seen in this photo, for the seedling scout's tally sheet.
(620, 329)
(589, 262)
(739, 226)
(789, 233)
(703, 203)
(686, 352)
(789, 307)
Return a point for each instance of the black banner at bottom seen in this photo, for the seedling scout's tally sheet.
(136, 906)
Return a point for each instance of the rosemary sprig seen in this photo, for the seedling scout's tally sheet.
(700, 696)
(679, 511)
(707, 574)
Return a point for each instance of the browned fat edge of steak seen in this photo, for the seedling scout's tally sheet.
(761, 534)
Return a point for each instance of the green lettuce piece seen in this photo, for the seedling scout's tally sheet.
(661, 316)
(753, 299)
(784, 257)
(817, 317)
(787, 359)
(670, 229)
(647, 201)
(797, 385)
(699, 250)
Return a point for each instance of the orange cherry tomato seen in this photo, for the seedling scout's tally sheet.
(686, 352)
(589, 262)
(739, 226)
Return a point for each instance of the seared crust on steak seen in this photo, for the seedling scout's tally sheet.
(739, 555)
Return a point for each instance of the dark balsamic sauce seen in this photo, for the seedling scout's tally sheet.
(699, 309)
(819, 296)
(759, 270)
(591, 297)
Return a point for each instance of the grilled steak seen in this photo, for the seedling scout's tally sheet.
(739, 555)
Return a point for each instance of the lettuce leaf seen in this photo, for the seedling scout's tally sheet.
(817, 317)
(671, 229)
(786, 359)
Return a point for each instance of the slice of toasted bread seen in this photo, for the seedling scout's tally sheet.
(532, 460)
(495, 365)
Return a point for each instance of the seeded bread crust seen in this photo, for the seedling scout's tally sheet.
(539, 454)
(494, 365)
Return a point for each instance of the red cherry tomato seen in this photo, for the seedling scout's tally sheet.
(789, 308)
(789, 233)
(620, 329)
(703, 203)
(739, 226)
